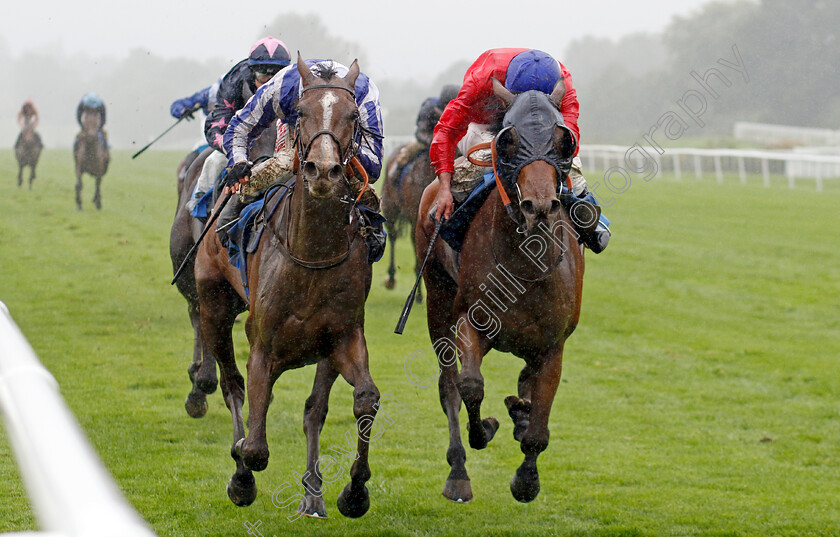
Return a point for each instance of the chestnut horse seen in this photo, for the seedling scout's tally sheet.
(516, 288)
(91, 155)
(308, 281)
(27, 151)
(185, 231)
(400, 199)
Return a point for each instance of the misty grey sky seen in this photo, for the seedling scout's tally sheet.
(401, 38)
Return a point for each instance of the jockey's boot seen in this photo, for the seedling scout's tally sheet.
(194, 200)
(230, 212)
(593, 226)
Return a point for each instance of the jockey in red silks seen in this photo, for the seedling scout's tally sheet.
(475, 115)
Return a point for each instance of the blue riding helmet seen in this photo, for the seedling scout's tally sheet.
(532, 70)
(92, 100)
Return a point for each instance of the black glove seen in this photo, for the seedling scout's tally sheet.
(238, 171)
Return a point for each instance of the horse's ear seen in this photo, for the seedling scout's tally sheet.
(564, 142)
(558, 92)
(502, 92)
(352, 74)
(306, 75)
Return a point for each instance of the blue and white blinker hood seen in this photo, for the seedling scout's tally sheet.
(534, 117)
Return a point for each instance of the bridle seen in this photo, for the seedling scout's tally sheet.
(349, 161)
(500, 185)
(348, 152)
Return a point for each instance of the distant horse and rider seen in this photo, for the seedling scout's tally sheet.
(90, 150)
(409, 172)
(305, 280)
(28, 144)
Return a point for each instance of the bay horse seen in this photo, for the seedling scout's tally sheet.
(516, 288)
(401, 195)
(308, 280)
(185, 231)
(91, 155)
(27, 151)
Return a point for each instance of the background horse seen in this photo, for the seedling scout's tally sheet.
(400, 199)
(308, 281)
(516, 289)
(185, 231)
(27, 151)
(91, 155)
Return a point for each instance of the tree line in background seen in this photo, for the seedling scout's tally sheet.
(789, 48)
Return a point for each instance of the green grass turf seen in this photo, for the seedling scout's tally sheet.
(699, 394)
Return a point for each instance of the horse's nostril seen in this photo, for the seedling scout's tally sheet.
(336, 173)
(527, 207)
(309, 169)
(555, 207)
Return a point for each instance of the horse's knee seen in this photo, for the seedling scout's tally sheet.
(471, 389)
(365, 400)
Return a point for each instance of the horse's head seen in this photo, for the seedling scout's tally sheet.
(91, 123)
(326, 126)
(534, 151)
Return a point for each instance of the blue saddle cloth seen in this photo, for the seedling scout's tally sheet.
(245, 234)
(455, 229)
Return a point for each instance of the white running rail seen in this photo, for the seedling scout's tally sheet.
(715, 162)
(71, 492)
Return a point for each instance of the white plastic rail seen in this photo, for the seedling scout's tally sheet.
(71, 492)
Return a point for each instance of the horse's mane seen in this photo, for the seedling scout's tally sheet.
(326, 71)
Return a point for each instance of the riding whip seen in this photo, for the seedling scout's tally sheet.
(158, 138)
(207, 228)
(410, 300)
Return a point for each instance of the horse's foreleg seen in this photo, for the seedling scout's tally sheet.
(262, 374)
(442, 291)
(78, 188)
(392, 265)
(20, 175)
(519, 408)
(219, 304)
(97, 199)
(472, 348)
(196, 403)
(525, 484)
(351, 360)
(314, 415)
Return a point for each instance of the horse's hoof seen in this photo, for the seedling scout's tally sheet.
(196, 404)
(390, 283)
(418, 299)
(353, 503)
(525, 484)
(480, 438)
(458, 490)
(242, 489)
(313, 507)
